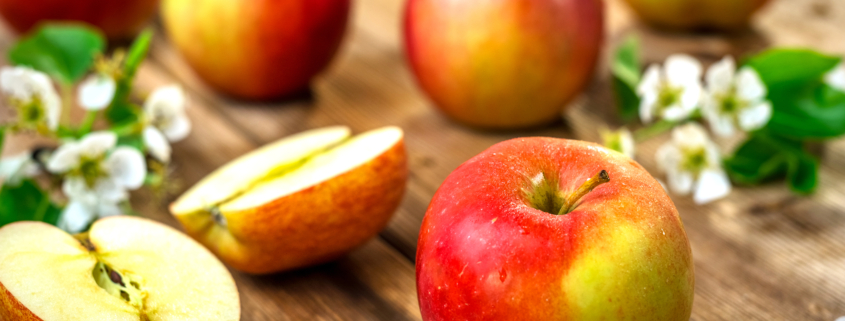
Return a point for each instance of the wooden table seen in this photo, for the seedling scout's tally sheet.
(760, 254)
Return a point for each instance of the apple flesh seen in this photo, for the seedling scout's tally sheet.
(117, 19)
(303, 200)
(697, 14)
(511, 235)
(256, 49)
(124, 268)
(503, 64)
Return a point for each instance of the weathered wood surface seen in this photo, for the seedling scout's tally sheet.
(760, 254)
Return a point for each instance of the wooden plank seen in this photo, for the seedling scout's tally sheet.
(760, 254)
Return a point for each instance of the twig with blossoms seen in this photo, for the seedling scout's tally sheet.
(95, 169)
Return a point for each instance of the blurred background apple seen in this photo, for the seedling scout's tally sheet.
(504, 63)
(118, 19)
(256, 49)
(697, 14)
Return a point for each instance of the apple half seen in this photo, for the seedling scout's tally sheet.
(124, 268)
(303, 200)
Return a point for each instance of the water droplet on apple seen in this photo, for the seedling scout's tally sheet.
(503, 275)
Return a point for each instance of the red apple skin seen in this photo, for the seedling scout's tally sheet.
(117, 19)
(12, 309)
(503, 63)
(697, 14)
(257, 49)
(484, 253)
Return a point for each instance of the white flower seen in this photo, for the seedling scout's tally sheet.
(167, 120)
(692, 164)
(735, 99)
(836, 77)
(96, 177)
(16, 168)
(33, 95)
(621, 141)
(672, 92)
(96, 92)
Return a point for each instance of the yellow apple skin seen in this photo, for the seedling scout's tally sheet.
(12, 309)
(311, 226)
(697, 14)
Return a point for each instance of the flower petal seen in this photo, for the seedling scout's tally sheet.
(711, 185)
(13, 169)
(749, 86)
(667, 157)
(647, 107)
(690, 135)
(77, 190)
(49, 98)
(108, 209)
(180, 127)
(127, 167)
(756, 116)
(722, 125)
(682, 70)
(691, 97)
(75, 217)
(97, 143)
(109, 190)
(836, 77)
(65, 158)
(157, 144)
(650, 82)
(96, 92)
(680, 182)
(626, 141)
(720, 75)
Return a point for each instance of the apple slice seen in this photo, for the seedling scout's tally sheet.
(124, 268)
(303, 200)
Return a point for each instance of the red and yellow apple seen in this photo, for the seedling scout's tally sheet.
(504, 63)
(697, 14)
(117, 19)
(553, 229)
(256, 49)
(304, 200)
(123, 268)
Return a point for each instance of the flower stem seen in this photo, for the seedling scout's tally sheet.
(88, 122)
(646, 133)
(67, 102)
(588, 186)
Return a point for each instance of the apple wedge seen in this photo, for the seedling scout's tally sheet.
(303, 200)
(124, 268)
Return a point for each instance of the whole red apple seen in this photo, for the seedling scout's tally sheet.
(256, 49)
(553, 229)
(697, 14)
(503, 63)
(117, 19)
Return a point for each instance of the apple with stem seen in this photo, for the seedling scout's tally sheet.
(256, 49)
(303, 200)
(117, 19)
(123, 268)
(553, 229)
(503, 64)
(697, 14)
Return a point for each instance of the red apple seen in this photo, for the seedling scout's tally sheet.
(504, 63)
(117, 19)
(696, 14)
(553, 229)
(256, 49)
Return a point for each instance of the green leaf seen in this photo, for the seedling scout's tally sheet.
(26, 202)
(137, 52)
(625, 69)
(764, 157)
(814, 112)
(64, 51)
(787, 67)
(134, 140)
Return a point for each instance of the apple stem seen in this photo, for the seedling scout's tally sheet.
(588, 186)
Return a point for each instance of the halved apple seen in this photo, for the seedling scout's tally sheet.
(124, 268)
(303, 200)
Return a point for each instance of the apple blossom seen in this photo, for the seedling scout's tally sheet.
(692, 164)
(96, 176)
(166, 120)
(96, 91)
(672, 92)
(13, 169)
(836, 77)
(32, 93)
(735, 98)
(620, 140)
